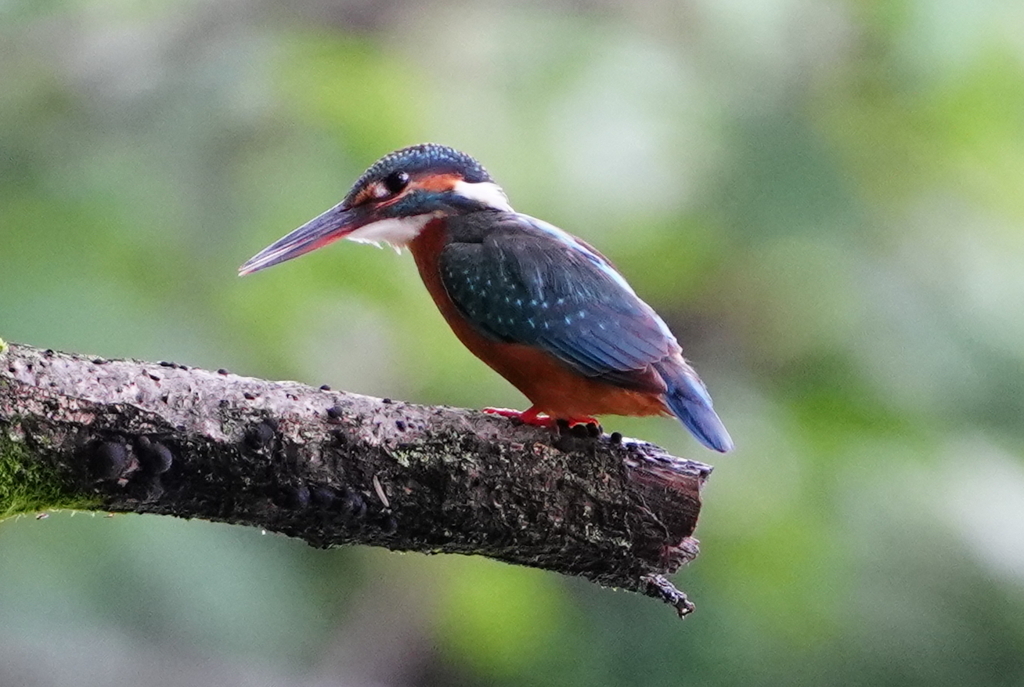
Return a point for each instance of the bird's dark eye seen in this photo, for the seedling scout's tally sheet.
(396, 182)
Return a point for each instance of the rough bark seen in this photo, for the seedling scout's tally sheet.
(335, 468)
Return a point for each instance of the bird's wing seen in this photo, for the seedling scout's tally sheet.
(520, 280)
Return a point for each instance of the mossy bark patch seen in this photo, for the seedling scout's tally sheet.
(30, 485)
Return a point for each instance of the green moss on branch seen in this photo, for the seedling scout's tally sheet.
(28, 485)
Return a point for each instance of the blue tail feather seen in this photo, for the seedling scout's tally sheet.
(688, 399)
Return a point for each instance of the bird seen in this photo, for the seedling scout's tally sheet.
(541, 307)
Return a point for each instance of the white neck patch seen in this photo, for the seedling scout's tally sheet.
(486, 192)
(397, 232)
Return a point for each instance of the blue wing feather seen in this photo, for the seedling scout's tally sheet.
(519, 280)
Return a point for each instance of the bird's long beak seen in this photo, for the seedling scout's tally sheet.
(332, 225)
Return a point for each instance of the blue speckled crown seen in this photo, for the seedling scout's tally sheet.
(418, 158)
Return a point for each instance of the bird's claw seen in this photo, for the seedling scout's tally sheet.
(527, 417)
(536, 418)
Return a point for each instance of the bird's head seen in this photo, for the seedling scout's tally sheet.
(392, 202)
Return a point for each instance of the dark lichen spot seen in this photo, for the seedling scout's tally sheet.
(154, 457)
(325, 387)
(353, 505)
(261, 434)
(163, 459)
(108, 460)
(99, 361)
(615, 438)
(334, 412)
(300, 497)
(222, 371)
(223, 403)
(249, 396)
(400, 425)
(164, 363)
(386, 401)
(322, 497)
(48, 352)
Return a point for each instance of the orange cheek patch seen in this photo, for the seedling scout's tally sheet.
(437, 182)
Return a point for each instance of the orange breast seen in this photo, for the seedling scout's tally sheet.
(552, 386)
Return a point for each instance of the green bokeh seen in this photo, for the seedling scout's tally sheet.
(822, 199)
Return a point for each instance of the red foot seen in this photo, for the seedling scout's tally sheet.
(532, 416)
(527, 417)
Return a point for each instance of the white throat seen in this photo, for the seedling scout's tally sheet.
(396, 232)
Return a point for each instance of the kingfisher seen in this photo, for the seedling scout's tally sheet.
(541, 307)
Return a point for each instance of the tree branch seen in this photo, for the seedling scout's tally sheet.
(335, 468)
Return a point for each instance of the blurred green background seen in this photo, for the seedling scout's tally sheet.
(825, 199)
